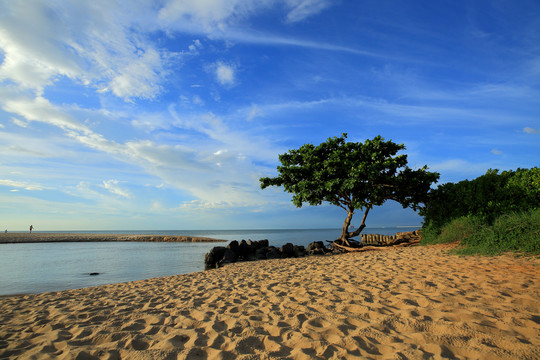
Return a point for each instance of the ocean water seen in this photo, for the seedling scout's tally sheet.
(44, 267)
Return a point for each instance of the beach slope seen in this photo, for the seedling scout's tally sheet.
(409, 303)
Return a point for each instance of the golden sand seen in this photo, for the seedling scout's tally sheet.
(410, 303)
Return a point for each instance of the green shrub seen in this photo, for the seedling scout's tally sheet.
(456, 231)
(513, 232)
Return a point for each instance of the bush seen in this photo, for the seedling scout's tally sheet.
(512, 232)
(456, 231)
(485, 198)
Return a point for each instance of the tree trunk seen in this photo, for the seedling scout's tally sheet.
(345, 230)
(345, 234)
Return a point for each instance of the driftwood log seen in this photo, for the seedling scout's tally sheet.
(382, 242)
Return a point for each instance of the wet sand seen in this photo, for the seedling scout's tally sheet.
(407, 303)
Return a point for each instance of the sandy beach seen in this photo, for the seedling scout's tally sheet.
(37, 237)
(408, 303)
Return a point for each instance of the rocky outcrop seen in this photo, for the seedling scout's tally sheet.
(258, 250)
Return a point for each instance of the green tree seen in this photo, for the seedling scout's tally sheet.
(352, 176)
(487, 197)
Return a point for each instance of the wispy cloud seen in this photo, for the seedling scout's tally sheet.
(256, 37)
(20, 184)
(19, 122)
(211, 15)
(305, 8)
(530, 130)
(113, 187)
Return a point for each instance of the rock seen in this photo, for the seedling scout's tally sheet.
(212, 258)
(287, 250)
(316, 248)
(233, 245)
(229, 257)
(263, 243)
(93, 273)
(299, 251)
(258, 250)
(260, 254)
(244, 250)
(315, 245)
(273, 253)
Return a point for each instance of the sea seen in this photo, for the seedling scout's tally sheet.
(43, 267)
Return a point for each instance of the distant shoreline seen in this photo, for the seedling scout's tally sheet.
(16, 238)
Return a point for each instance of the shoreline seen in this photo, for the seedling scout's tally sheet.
(16, 238)
(416, 302)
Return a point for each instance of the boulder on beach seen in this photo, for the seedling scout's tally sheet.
(287, 250)
(316, 248)
(212, 258)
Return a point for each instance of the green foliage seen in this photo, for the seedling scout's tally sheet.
(486, 197)
(510, 232)
(351, 175)
(456, 231)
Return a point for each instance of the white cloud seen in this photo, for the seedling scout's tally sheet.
(211, 16)
(31, 39)
(40, 109)
(225, 73)
(113, 188)
(195, 46)
(496, 152)
(19, 122)
(43, 41)
(254, 112)
(530, 130)
(197, 100)
(21, 184)
(301, 9)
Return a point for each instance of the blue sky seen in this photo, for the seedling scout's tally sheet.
(164, 114)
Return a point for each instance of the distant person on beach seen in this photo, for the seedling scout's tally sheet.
(5, 231)
(31, 228)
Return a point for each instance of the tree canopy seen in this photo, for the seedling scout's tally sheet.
(351, 175)
(487, 197)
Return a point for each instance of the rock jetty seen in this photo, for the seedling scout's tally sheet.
(12, 237)
(258, 250)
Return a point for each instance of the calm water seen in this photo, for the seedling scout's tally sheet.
(42, 267)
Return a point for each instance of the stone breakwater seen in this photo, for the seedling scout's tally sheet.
(10, 238)
(258, 250)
